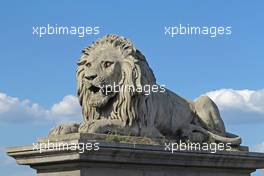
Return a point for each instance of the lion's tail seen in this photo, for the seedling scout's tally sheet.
(229, 138)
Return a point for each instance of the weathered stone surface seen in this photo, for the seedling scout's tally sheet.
(119, 159)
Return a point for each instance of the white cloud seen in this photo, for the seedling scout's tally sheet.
(67, 110)
(240, 106)
(258, 148)
(10, 167)
(13, 110)
(68, 106)
(4, 159)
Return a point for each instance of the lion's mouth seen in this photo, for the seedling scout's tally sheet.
(100, 95)
(94, 89)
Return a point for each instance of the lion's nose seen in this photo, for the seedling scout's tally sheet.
(91, 77)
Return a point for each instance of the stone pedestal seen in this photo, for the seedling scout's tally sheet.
(128, 159)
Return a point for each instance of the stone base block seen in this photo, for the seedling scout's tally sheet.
(106, 158)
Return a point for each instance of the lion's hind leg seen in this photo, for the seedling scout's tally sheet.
(209, 115)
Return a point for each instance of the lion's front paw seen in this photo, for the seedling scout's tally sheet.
(105, 126)
(86, 126)
(64, 129)
(102, 126)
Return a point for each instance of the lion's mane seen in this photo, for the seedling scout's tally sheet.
(130, 105)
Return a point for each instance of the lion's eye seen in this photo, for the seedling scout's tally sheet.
(107, 64)
(88, 64)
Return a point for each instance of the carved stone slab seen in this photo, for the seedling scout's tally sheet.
(128, 159)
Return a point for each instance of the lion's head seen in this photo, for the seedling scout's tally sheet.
(112, 60)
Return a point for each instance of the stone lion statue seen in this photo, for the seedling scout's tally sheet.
(114, 61)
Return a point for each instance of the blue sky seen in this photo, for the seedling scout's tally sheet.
(39, 73)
